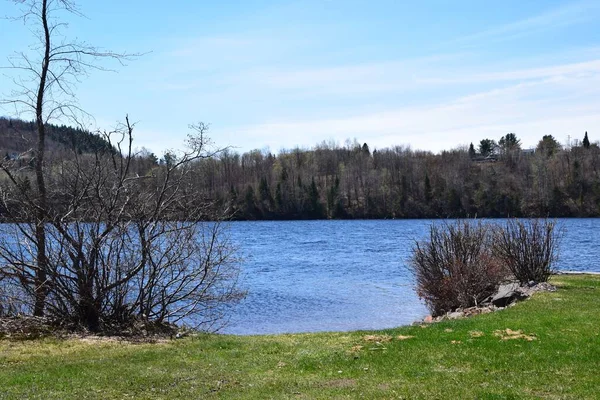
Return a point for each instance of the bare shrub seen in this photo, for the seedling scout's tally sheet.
(528, 248)
(455, 268)
(120, 249)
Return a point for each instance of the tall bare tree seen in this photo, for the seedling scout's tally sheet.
(44, 88)
(93, 243)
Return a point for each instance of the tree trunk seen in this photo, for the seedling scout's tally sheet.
(41, 283)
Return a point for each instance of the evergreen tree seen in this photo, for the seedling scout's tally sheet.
(454, 203)
(472, 152)
(333, 204)
(509, 142)
(365, 149)
(278, 196)
(375, 163)
(264, 191)
(315, 207)
(487, 147)
(403, 194)
(250, 203)
(284, 174)
(428, 191)
(548, 145)
(586, 141)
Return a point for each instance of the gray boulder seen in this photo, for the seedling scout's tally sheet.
(456, 315)
(508, 294)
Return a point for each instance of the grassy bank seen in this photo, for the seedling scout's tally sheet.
(545, 347)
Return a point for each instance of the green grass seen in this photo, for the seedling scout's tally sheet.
(442, 361)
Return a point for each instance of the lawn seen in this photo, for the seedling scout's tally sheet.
(545, 347)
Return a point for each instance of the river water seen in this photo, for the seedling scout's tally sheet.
(308, 276)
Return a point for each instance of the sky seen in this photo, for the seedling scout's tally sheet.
(433, 75)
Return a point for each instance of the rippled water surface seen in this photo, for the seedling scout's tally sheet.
(306, 276)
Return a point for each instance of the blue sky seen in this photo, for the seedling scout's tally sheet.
(278, 74)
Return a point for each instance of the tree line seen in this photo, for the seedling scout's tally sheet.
(17, 137)
(350, 181)
(331, 181)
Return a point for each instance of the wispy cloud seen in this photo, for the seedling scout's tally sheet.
(562, 16)
(559, 104)
(580, 68)
(350, 78)
(300, 86)
(233, 51)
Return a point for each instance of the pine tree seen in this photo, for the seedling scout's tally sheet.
(509, 142)
(548, 145)
(250, 202)
(428, 190)
(586, 141)
(278, 196)
(316, 209)
(264, 191)
(365, 149)
(487, 147)
(472, 151)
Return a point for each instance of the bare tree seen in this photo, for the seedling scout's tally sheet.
(92, 243)
(44, 87)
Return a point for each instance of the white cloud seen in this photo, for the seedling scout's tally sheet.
(381, 76)
(560, 104)
(262, 90)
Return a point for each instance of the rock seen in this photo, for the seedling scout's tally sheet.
(456, 315)
(483, 309)
(533, 287)
(544, 287)
(508, 294)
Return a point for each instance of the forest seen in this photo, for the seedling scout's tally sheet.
(332, 181)
(17, 137)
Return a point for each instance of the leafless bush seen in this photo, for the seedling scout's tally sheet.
(455, 268)
(528, 248)
(120, 248)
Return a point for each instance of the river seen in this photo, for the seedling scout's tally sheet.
(308, 276)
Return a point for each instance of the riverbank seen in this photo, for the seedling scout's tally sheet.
(545, 347)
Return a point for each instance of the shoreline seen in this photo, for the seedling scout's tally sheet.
(576, 273)
(47, 331)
